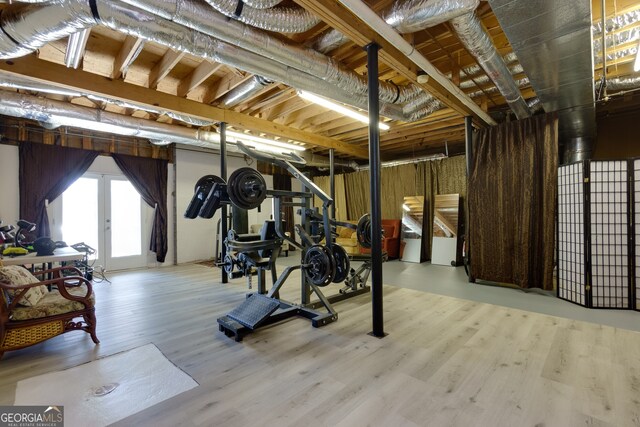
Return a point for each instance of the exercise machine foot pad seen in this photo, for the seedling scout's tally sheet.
(254, 310)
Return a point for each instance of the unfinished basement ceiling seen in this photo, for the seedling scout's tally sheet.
(135, 69)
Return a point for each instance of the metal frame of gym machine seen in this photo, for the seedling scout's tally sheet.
(268, 301)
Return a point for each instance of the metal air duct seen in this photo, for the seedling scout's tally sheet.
(407, 17)
(554, 43)
(417, 15)
(23, 24)
(11, 81)
(262, 4)
(282, 19)
(478, 42)
(58, 113)
(245, 91)
(193, 14)
(52, 114)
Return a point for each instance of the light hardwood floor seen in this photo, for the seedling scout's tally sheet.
(445, 362)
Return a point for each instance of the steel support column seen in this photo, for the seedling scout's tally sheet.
(332, 182)
(223, 210)
(468, 141)
(376, 209)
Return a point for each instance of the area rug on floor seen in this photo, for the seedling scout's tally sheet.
(106, 390)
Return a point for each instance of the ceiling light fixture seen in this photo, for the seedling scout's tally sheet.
(271, 143)
(636, 64)
(338, 108)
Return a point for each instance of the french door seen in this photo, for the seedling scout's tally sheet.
(106, 213)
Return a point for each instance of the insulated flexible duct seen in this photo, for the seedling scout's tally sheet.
(193, 14)
(478, 42)
(58, 113)
(281, 19)
(407, 17)
(262, 4)
(10, 81)
(416, 15)
(52, 114)
(245, 91)
(68, 16)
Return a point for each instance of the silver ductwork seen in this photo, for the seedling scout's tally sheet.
(620, 84)
(262, 4)
(619, 30)
(415, 15)
(52, 114)
(193, 14)
(411, 16)
(245, 91)
(322, 161)
(28, 27)
(11, 81)
(553, 41)
(478, 42)
(58, 113)
(129, 20)
(407, 17)
(282, 19)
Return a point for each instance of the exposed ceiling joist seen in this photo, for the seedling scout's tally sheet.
(341, 18)
(168, 61)
(32, 67)
(130, 49)
(201, 73)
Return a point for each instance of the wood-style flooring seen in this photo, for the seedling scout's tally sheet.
(445, 362)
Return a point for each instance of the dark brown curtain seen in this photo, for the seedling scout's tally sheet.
(283, 182)
(512, 192)
(149, 178)
(45, 172)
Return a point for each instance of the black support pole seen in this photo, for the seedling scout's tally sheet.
(223, 211)
(332, 182)
(376, 209)
(468, 141)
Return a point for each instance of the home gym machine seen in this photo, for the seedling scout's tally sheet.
(322, 260)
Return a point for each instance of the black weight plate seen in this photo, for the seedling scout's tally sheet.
(208, 181)
(246, 188)
(320, 268)
(342, 263)
(363, 231)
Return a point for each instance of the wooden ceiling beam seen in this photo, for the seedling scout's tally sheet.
(201, 73)
(162, 69)
(223, 86)
(127, 54)
(341, 18)
(32, 67)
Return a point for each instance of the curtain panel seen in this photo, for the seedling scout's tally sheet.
(149, 178)
(45, 172)
(427, 179)
(512, 202)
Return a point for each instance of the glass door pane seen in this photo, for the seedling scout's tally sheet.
(126, 220)
(80, 217)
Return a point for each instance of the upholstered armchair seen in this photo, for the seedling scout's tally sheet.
(34, 310)
(390, 239)
(347, 238)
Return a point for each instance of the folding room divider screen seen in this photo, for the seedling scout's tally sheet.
(595, 234)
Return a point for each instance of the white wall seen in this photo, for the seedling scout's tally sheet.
(197, 237)
(10, 196)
